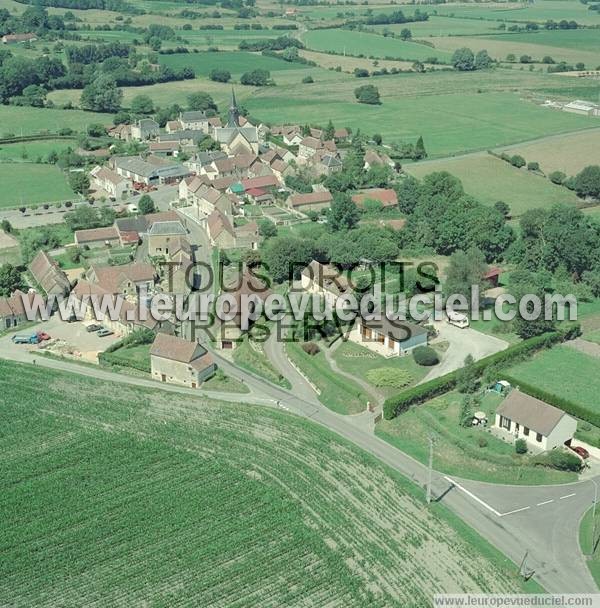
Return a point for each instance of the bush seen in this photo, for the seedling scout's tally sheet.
(389, 376)
(560, 459)
(521, 446)
(557, 177)
(517, 161)
(425, 355)
(533, 166)
(482, 442)
(310, 348)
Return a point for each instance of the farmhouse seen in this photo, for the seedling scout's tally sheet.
(177, 361)
(374, 159)
(17, 38)
(144, 129)
(388, 337)
(161, 235)
(102, 178)
(97, 237)
(125, 280)
(48, 275)
(313, 201)
(541, 425)
(193, 120)
(12, 309)
(220, 230)
(325, 280)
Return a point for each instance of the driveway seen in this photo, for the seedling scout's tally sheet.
(69, 339)
(463, 342)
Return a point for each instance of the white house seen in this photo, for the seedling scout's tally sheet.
(541, 425)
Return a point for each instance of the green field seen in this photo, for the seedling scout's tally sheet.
(441, 26)
(458, 450)
(29, 183)
(34, 150)
(361, 43)
(29, 121)
(564, 372)
(586, 40)
(236, 62)
(144, 497)
(490, 179)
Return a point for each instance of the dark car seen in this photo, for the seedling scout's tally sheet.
(93, 327)
(580, 451)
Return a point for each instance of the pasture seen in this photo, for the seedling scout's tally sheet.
(585, 40)
(34, 150)
(442, 26)
(568, 153)
(564, 372)
(350, 42)
(490, 179)
(30, 121)
(147, 496)
(30, 183)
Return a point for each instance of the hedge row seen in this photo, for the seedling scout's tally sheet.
(397, 404)
(568, 406)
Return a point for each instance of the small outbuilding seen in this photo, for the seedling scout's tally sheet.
(540, 424)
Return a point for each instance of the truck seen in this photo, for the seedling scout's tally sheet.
(21, 339)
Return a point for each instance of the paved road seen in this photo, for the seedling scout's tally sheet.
(543, 520)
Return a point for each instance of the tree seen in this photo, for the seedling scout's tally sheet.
(405, 34)
(368, 94)
(201, 102)
(219, 75)
(408, 191)
(482, 60)
(465, 272)
(557, 177)
(142, 104)
(79, 182)
(329, 131)
(420, 151)
(285, 257)
(102, 95)
(146, 204)
(257, 78)
(467, 377)
(35, 95)
(343, 213)
(502, 208)
(266, 228)
(587, 182)
(463, 59)
(517, 161)
(6, 226)
(10, 280)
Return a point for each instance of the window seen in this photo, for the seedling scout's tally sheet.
(538, 437)
(525, 431)
(505, 423)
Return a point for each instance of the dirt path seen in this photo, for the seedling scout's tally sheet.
(584, 346)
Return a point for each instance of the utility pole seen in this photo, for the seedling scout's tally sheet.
(430, 468)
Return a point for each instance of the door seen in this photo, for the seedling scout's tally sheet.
(193, 385)
(163, 377)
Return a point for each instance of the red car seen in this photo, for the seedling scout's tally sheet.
(42, 335)
(580, 451)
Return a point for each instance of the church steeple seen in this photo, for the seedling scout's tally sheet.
(234, 113)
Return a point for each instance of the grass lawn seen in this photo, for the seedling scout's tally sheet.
(27, 183)
(564, 372)
(137, 357)
(362, 43)
(497, 328)
(141, 496)
(337, 393)
(256, 362)
(457, 450)
(358, 360)
(34, 150)
(586, 542)
(28, 121)
(222, 383)
(490, 179)
(61, 231)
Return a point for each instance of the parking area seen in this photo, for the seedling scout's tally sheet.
(67, 339)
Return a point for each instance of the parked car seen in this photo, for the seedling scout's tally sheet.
(105, 332)
(93, 327)
(42, 335)
(22, 339)
(580, 451)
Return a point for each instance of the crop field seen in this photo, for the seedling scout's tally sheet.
(236, 62)
(501, 46)
(565, 372)
(226, 37)
(153, 497)
(29, 121)
(29, 183)
(568, 153)
(490, 179)
(442, 26)
(586, 40)
(540, 11)
(361, 43)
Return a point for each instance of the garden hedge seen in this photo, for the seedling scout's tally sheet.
(397, 404)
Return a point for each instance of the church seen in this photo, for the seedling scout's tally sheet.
(234, 138)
